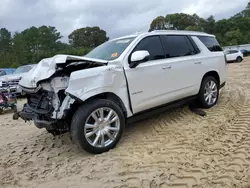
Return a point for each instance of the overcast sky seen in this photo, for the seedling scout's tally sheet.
(117, 17)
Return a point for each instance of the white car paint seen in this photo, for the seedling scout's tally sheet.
(90, 82)
(150, 84)
(47, 67)
(232, 55)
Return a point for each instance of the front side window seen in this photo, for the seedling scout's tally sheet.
(153, 45)
(110, 50)
(177, 46)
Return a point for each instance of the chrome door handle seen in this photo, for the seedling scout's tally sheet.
(198, 63)
(166, 67)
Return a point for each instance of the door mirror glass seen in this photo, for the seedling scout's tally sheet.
(138, 57)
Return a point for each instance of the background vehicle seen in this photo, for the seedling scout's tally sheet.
(93, 96)
(234, 55)
(245, 52)
(10, 82)
(6, 71)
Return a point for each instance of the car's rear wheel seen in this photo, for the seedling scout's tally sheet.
(209, 92)
(239, 59)
(97, 126)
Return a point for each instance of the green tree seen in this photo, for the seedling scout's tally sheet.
(178, 21)
(34, 44)
(5, 40)
(234, 37)
(208, 24)
(181, 21)
(234, 30)
(5, 46)
(88, 37)
(158, 23)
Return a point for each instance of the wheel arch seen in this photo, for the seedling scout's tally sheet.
(110, 96)
(214, 74)
(105, 95)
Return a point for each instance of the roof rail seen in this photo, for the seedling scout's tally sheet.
(178, 31)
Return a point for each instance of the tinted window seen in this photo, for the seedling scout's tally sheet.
(234, 51)
(153, 46)
(177, 46)
(211, 43)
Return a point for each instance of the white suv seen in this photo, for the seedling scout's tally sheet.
(93, 96)
(234, 55)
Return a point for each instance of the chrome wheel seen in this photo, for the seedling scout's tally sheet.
(102, 127)
(211, 92)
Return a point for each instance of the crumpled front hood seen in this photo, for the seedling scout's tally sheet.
(47, 67)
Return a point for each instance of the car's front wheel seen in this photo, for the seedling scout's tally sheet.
(209, 92)
(97, 126)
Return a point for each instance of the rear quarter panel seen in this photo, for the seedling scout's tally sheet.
(212, 61)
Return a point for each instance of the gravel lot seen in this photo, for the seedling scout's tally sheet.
(174, 149)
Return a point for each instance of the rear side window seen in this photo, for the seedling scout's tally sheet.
(234, 51)
(153, 45)
(211, 43)
(177, 46)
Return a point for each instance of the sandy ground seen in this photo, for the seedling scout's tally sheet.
(175, 149)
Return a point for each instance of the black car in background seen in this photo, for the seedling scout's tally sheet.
(245, 52)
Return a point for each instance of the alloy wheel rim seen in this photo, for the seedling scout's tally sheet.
(102, 127)
(211, 92)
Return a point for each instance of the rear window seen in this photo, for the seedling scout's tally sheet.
(211, 43)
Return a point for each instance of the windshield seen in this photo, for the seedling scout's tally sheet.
(110, 50)
(22, 69)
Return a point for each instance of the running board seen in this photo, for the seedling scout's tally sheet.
(160, 109)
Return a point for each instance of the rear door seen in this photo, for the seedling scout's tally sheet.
(185, 75)
(231, 55)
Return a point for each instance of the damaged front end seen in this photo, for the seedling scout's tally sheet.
(48, 105)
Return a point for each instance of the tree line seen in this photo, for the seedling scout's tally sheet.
(232, 31)
(35, 43)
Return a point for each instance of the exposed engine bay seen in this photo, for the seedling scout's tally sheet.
(48, 104)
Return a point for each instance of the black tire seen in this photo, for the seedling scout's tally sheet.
(79, 122)
(201, 95)
(239, 59)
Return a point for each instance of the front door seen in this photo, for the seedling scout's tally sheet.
(148, 80)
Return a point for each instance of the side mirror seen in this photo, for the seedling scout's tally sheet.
(138, 57)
